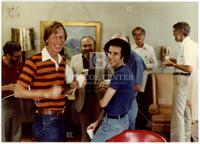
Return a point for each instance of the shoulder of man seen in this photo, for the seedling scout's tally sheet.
(77, 56)
(148, 47)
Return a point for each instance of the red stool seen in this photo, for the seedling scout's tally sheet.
(137, 136)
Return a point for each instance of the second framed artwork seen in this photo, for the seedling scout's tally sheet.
(75, 31)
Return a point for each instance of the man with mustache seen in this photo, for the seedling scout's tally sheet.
(11, 68)
(90, 63)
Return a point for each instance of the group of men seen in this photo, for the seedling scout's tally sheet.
(114, 104)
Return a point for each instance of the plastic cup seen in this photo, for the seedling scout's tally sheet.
(107, 82)
(85, 71)
(90, 133)
(80, 78)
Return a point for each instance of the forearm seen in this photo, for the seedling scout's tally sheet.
(107, 97)
(100, 116)
(185, 68)
(51, 93)
(150, 66)
(9, 87)
(173, 60)
(22, 92)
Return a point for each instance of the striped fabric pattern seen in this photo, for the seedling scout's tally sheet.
(42, 75)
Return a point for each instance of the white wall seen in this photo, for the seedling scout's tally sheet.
(156, 17)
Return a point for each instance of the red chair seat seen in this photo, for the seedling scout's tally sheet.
(137, 136)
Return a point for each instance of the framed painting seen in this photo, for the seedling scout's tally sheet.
(75, 31)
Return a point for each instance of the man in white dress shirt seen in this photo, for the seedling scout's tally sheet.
(144, 50)
(147, 53)
(185, 75)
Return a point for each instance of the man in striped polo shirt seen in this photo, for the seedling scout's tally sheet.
(42, 79)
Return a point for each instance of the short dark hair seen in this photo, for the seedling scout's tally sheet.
(138, 28)
(182, 26)
(125, 47)
(51, 28)
(10, 47)
(90, 38)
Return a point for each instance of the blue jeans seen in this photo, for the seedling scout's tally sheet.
(48, 128)
(132, 114)
(110, 127)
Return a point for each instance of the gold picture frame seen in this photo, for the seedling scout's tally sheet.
(75, 30)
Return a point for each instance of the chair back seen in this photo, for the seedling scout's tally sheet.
(164, 89)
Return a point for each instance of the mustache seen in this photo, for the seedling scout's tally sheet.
(87, 51)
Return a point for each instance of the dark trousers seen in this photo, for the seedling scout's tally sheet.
(89, 114)
(142, 117)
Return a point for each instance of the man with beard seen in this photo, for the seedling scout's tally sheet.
(86, 102)
(11, 68)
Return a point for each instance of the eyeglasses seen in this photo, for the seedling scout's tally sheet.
(177, 30)
(17, 56)
(138, 34)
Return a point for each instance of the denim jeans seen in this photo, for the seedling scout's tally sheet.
(48, 128)
(132, 114)
(110, 127)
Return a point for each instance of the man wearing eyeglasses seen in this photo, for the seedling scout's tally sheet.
(185, 87)
(11, 68)
(147, 53)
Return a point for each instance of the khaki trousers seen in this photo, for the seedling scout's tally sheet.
(181, 116)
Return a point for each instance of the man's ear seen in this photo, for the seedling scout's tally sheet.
(122, 58)
(8, 55)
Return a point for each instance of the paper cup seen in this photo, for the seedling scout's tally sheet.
(80, 78)
(90, 133)
(107, 82)
(166, 57)
(85, 71)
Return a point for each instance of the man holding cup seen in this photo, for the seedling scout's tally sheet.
(86, 101)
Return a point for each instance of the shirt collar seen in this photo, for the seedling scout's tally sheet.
(185, 41)
(3, 62)
(47, 56)
(144, 47)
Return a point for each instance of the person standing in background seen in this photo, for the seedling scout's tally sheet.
(86, 101)
(148, 55)
(137, 66)
(119, 96)
(11, 110)
(43, 80)
(185, 75)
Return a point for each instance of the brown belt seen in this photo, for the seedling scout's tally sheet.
(180, 73)
(49, 112)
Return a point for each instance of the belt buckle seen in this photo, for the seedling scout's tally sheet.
(115, 117)
(48, 112)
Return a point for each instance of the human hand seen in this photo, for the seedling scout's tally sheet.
(85, 72)
(189, 103)
(137, 87)
(167, 61)
(11, 86)
(105, 83)
(74, 84)
(53, 92)
(92, 126)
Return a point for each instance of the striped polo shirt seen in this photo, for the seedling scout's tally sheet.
(38, 73)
